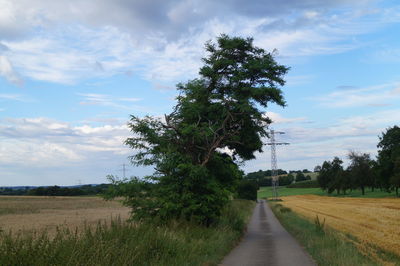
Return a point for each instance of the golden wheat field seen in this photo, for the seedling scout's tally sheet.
(34, 213)
(373, 221)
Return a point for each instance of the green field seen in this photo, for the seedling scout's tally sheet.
(266, 192)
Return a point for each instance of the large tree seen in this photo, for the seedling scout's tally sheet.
(219, 119)
(389, 159)
(360, 170)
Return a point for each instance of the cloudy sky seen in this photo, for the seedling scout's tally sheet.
(71, 73)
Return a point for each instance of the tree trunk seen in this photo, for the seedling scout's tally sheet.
(363, 190)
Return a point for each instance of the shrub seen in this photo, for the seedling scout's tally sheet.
(247, 190)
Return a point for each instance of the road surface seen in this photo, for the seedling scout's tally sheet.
(267, 243)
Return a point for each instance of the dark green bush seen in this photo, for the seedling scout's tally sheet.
(247, 190)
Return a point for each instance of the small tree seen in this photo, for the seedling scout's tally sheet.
(317, 168)
(285, 180)
(221, 110)
(300, 177)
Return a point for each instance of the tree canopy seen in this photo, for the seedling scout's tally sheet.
(218, 121)
(389, 158)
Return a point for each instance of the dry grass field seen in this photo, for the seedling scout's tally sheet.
(374, 222)
(33, 213)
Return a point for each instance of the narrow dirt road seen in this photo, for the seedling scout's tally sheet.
(267, 243)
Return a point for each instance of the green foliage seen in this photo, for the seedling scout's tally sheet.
(121, 243)
(263, 178)
(69, 191)
(247, 190)
(388, 165)
(305, 184)
(300, 177)
(330, 174)
(56, 190)
(14, 191)
(281, 208)
(360, 171)
(222, 109)
(285, 180)
(263, 174)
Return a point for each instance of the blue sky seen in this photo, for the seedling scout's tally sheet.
(72, 72)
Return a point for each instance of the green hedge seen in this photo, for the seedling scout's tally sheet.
(305, 184)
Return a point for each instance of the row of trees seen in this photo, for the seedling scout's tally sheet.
(263, 178)
(57, 191)
(364, 172)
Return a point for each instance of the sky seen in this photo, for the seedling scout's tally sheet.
(72, 72)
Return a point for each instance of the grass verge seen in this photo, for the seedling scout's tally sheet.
(326, 246)
(121, 243)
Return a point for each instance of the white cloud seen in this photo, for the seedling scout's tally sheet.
(279, 119)
(42, 142)
(7, 71)
(381, 95)
(109, 101)
(66, 41)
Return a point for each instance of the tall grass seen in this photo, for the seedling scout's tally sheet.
(123, 243)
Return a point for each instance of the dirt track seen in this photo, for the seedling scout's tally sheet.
(267, 243)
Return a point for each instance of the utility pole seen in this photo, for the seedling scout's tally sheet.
(274, 164)
(124, 170)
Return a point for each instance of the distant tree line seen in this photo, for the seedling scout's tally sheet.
(263, 178)
(364, 172)
(56, 190)
(8, 191)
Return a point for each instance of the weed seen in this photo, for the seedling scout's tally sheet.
(285, 209)
(319, 226)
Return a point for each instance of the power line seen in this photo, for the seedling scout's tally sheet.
(274, 164)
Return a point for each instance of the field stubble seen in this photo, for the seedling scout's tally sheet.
(374, 222)
(25, 214)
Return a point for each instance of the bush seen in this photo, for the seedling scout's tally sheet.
(247, 190)
(305, 184)
(285, 180)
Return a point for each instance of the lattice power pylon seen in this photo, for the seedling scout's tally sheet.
(274, 164)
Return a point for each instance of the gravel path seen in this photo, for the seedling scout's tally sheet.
(267, 243)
